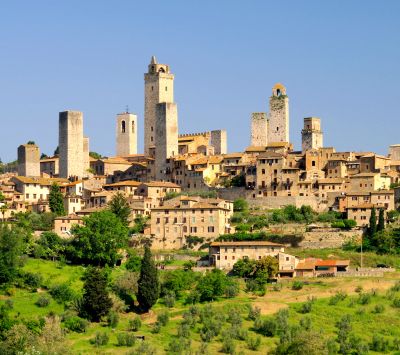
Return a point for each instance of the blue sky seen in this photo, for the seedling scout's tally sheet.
(338, 59)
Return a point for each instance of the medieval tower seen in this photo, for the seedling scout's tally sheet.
(70, 143)
(311, 134)
(219, 141)
(158, 88)
(126, 134)
(29, 160)
(259, 129)
(278, 129)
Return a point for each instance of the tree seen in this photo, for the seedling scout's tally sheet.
(95, 155)
(31, 143)
(57, 151)
(240, 205)
(96, 302)
(381, 220)
(120, 207)
(51, 244)
(99, 239)
(3, 209)
(372, 223)
(43, 156)
(148, 284)
(56, 200)
(266, 268)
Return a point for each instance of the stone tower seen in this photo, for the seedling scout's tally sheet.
(126, 134)
(70, 142)
(278, 129)
(29, 160)
(259, 129)
(311, 135)
(86, 157)
(394, 152)
(166, 134)
(219, 141)
(158, 88)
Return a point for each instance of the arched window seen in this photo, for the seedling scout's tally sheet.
(161, 70)
(133, 127)
(123, 126)
(278, 92)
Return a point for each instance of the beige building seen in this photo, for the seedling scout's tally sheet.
(185, 216)
(49, 166)
(362, 213)
(63, 225)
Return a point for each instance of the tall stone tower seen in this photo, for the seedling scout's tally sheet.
(29, 160)
(158, 88)
(70, 142)
(394, 152)
(278, 130)
(126, 134)
(259, 129)
(311, 135)
(86, 157)
(219, 141)
(166, 134)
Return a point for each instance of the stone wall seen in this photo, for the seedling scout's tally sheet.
(278, 129)
(29, 160)
(219, 141)
(329, 238)
(259, 129)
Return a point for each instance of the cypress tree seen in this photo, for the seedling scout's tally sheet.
(381, 220)
(372, 223)
(148, 285)
(96, 302)
(56, 200)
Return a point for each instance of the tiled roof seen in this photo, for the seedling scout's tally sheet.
(244, 243)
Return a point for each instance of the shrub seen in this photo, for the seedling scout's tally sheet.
(76, 324)
(32, 280)
(228, 346)
(265, 327)
(169, 298)
(379, 308)
(62, 293)
(297, 285)
(396, 302)
(234, 317)
(339, 296)
(163, 318)
(254, 313)
(359, 289)
(100, 339)
(364, 298)
(395, 287)
(42, 301)
(9, 304)
(232, 289)
(306, 307)
(177, 346)
(125, 339)
(112, 319)
(349, 223)
(253, 343)
(156, 328)
(305, 323)
(184, 330)
(135, 324)
(379, 344)
(338, 224)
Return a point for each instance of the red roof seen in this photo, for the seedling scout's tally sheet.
(332, 263)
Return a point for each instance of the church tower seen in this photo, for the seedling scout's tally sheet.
(126, 134)
(158, 88)
(278, 129)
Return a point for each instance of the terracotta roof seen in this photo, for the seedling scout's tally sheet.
(124, 183)
(277, 144)
(331, 262)
(161, 184)
(70, 217)
(267, 155)
(256, 149)
(306, 265)
(362, 175)
(41, 181)
(233, 155)
(331, 181)
(116, 160)
(244, 243)
(74, 183)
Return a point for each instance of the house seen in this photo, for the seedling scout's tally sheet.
(63, 225)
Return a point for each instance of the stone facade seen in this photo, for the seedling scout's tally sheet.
(311, 135)
(28, 160)
(259, 129)
(158, 88)
(219, 141)
(166, 130)
(394, 152)
(278, 129)
(71, 144)
(86, 158)
(126, 134)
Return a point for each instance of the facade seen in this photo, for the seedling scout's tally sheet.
(29, 160)
(71, 144)
(159, 88)
(49, 166)
(278, 129)
(219, 141)
(259, 129)
(311, 135)
(63, 225)
(126, 134)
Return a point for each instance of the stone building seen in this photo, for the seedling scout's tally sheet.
(71, 144)
(29, 160)
(311, 135)
(86, 157)
(158, 88)
(259, 129)
(278, 128)
(394, 152)
(50, 166)
(126, 134)
(219, 141)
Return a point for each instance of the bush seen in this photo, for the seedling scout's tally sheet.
(32, 280)
(379, 344)
(169, 298)
(228, 346)
(240, 205)
(62, 293)
(338, 224)
(184, 330)
(297, 285)
(135, 324)
(349, 223)
(253, 343)
(379, 308)
(163, 318)
(133, 263)
(305, 323)
(76, 324)
(156, 328)
(125, 339)
(306, 307)
(254, 313)
(232, 289)
(42, 301)
(364, 298)
(9, 304)
(339, 296)
(112, 319)
(100, 339)
(177, 346)
(396, 302)
(265, 327)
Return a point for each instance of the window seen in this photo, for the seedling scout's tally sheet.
(313, 163)
(133, 127)
(122, 126)
(211, 229)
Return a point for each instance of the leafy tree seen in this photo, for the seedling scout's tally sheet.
(372, 223)
(52, 245)
(266, 268)
(95, 155)
(2, 197)
(148, 284)
(120, 207)
(212, 285)
(31, 143)
(240, 205)
(238, 181)
(140, 224)
(44, 156)
(96, 301)
(56, 200)
(381, 220)
(244, 267)
(99, 240)
(57, 151)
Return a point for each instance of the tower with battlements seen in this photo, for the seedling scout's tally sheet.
(311, 134)
(278, 129)
(158, 88)
(70, 142)
(126, 134)
(29, 160)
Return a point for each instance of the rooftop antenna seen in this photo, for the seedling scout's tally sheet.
(127, 109)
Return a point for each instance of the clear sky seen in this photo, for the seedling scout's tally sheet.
(339, 60)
